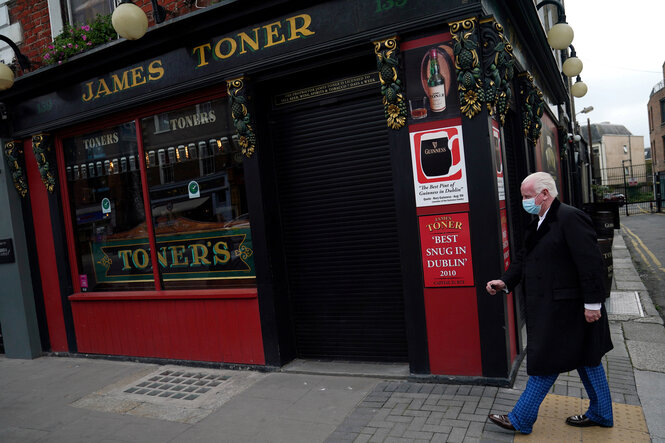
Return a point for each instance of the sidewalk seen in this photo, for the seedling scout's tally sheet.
(58, 399)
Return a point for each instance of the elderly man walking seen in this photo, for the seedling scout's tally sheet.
(561, 272)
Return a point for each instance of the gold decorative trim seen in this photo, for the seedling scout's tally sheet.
(41, 147)
(467, 65)
(394, 104)
(498, 68)
(241, 117)
(532, 106)
(15, 161)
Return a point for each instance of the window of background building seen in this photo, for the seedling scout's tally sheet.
(662, 112)
(85, 11)
(196, 189)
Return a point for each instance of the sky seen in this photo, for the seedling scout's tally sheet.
(622, 46)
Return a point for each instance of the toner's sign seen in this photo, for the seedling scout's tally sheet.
(446, 250)
(209, 255)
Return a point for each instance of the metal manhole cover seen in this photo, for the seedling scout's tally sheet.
(178, 385)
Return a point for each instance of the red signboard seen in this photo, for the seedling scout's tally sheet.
(446, 250)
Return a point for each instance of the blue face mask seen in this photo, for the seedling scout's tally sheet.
(530, 206)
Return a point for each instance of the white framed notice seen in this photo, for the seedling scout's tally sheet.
(439, 171)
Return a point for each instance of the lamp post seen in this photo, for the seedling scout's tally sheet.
(590, 164)
(625, 184)
(6, 74)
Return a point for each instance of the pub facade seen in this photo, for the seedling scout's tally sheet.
(330, 180)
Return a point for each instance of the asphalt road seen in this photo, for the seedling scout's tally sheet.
(644, 235)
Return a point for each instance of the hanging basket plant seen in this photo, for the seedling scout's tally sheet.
(76, 39)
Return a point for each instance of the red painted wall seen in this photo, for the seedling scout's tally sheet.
(453, 338)
(215, 328)
(45, 252)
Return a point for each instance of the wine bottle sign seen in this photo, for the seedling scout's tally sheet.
(436, 89)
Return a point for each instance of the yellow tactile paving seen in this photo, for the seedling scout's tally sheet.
(629, 423)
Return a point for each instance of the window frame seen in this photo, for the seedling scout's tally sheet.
(135, 114)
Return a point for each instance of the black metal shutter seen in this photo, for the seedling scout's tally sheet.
(336, 199)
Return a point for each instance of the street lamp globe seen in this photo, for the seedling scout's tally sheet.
(6, 77)
(572, 67)
(560, 36)
(129, 21)
(579, 89)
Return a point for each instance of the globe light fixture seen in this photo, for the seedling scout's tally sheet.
(129, 21)
(560, 36)
(572, 67)
(579, 89)
(6, 77)
(6, 74)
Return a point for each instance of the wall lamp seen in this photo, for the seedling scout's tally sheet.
(579, 89)
(130, 22)
(6, 74)
(573, 65)
(560, 36)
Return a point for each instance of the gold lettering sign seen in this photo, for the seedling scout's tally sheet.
(272, 34)
(127, 79)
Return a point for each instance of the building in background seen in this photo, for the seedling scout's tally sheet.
(251, 184)
(656, 110)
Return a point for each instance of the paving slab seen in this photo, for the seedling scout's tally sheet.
(647, 356)
(651, 386)
(644, 332)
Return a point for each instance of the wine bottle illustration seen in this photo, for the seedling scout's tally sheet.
(436, 89)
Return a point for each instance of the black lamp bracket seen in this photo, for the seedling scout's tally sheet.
(561, 12)
(23, 61)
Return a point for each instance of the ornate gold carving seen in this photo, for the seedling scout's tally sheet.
(467, 65)
(241, 117)
(387, 62)
(498, 61)
(41, 147)
(14, 154)
(532, 107)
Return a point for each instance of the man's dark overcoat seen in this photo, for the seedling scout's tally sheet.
(561, 268)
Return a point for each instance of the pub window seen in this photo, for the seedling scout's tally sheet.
(106, 203)
(193, 166)
(85, 11)
(197, 196)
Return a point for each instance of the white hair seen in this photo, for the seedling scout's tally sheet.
(540, 181)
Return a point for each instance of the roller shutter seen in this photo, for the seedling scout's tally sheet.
(339, 225)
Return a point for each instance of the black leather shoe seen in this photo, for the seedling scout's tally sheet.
(582, 421)
(502, 420)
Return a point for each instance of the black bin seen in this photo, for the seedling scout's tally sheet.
(605, 245)
(604, 224)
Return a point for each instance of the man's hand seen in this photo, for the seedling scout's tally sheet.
(591, 315)
(495, 285)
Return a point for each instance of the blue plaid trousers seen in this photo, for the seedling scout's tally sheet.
(525, 412)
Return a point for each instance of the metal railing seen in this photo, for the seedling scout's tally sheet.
(660, 85)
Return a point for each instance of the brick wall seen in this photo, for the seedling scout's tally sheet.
(34, 19)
